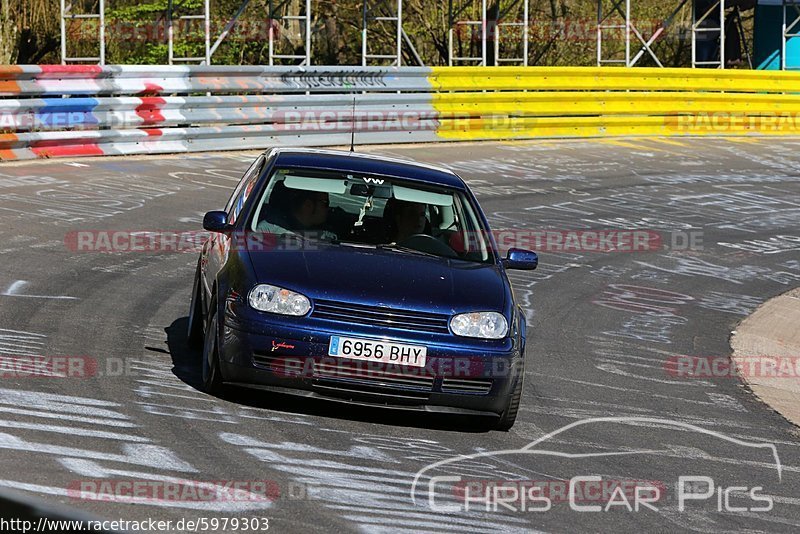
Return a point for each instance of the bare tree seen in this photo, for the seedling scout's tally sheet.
(29, 31)
(8, 34)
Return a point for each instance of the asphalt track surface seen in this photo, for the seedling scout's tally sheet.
(602, 330)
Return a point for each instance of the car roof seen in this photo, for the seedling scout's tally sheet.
(367, 164)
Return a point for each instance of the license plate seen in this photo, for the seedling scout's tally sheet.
(377, 351)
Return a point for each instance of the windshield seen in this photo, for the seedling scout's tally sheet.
(371, 211)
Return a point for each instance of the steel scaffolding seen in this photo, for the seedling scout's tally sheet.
(387, 12)
(457, 8)
(512, 32)
(67, 13)
(188, 19)
(292, 19)
(615, 19)
(711, 32)
(791, 30)
(477, 34)
(228, 27)
(619, 18)
(707, 32)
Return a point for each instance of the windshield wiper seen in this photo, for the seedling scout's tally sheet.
(409, 250)
(350, 243)
(385, 246)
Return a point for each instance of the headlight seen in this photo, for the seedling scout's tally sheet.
(487, 325)
(273, 299)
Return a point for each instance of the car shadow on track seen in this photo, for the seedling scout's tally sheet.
(187, 367)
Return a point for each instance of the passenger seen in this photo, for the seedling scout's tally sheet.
(296, 210)
(404, 219)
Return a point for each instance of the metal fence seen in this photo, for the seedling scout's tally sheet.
(51, 111)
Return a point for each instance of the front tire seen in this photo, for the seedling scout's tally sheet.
(194, 333)
(509, 415)
(212, 375)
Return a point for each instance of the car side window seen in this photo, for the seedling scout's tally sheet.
(473, 239)
(243, 190)
(252, 169)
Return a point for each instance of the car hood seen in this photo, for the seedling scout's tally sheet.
(384, 278)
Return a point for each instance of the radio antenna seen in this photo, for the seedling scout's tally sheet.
(353, 128)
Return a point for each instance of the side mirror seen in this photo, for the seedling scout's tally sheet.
(521, 259)
(215, 221)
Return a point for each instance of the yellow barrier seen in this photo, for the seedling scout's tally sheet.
(532, 127)
(610, 78)
(549, 103)
(513, 103)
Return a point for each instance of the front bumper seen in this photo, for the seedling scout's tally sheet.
(468, 378)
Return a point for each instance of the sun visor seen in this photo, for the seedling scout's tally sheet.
(422, 197)
(321, 185)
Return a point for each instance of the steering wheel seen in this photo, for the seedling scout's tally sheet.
(428, 243)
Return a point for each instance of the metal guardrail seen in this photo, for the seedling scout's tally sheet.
(38, 80)
(170, 111)
(52, 111)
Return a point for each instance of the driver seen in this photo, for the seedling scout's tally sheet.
(296, 210)
(404, 219)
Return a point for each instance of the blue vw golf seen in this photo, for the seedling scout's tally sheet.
(362, 279)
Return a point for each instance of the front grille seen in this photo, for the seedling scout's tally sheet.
(289, 366)
(381, 316)
(480, 386)
(353, 373)
(355, 390)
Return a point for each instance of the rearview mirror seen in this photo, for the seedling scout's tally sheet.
(215, 221)
(518, 258)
